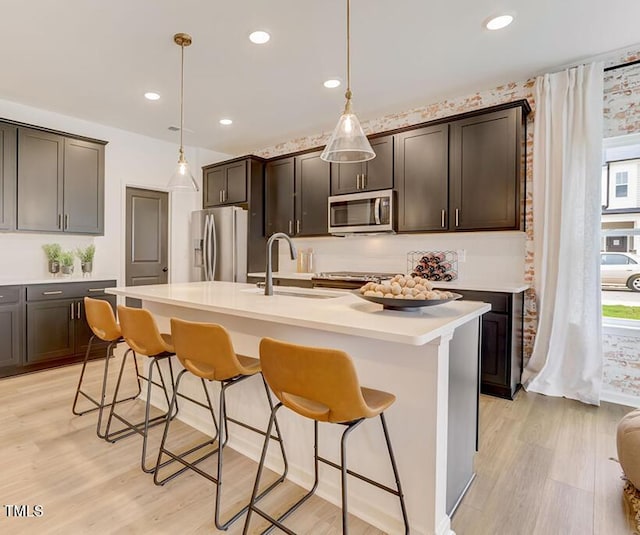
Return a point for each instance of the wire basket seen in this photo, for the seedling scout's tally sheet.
(440, 266)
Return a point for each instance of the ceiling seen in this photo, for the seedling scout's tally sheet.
(94, 59)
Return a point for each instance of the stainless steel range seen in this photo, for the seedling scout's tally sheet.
(347, 279)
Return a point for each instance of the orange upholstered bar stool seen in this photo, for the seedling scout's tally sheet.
(322, 384)
(140, 331)
(206, 351)
(104, 326)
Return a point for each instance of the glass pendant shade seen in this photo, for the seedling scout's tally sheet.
(348, 144)
(182, 178)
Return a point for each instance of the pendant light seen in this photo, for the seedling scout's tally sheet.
(182, 178)
(348, 144)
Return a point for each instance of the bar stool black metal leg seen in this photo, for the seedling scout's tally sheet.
(405, 517)
(343, 473)
(223, 436)
(115, 393)
(145, 433)
(173, 385)
(284, 455)
(213, 414)
(84, 367)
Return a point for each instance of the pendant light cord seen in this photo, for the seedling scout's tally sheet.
(348, 92)
(181, 96)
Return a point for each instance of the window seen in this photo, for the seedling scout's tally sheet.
(616, 259)
(622, 184)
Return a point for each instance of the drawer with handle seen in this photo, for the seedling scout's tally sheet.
(10, 294)
(68, 290)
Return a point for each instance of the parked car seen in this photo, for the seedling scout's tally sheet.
(620, 269)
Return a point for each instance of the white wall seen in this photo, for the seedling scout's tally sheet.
(130, 160)
(489, 256)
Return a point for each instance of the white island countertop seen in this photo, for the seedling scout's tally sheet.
(345, 313)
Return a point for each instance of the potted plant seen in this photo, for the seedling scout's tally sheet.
(66, 262)
(86, 258)
(53, 251)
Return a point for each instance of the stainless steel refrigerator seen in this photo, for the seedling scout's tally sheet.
(219, 244)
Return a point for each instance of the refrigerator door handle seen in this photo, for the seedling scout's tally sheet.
(234, 228)
(205, 248)
(214, 247)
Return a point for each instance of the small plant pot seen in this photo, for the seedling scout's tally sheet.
(87, 268)
(54, 267)
(67, 270)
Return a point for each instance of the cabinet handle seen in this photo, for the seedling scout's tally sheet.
(101, 290)
(290, 226)
(358, 181)
(60, 221)
(78, 310)
(57, 292)
(297, 226)
(442, 215)
(364, 181)
(224, 195)
(457, 217)
(220, 196)
(72, 311)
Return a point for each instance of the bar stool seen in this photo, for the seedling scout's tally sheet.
(140, 331)
(206, 351)
(321, 384)
(103, 324)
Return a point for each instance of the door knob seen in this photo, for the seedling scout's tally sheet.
(164, 270)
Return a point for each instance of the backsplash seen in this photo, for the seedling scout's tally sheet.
(488, 256)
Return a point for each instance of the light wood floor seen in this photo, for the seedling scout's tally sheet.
(543, 468)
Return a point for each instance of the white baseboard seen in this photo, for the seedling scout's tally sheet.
(620, 398)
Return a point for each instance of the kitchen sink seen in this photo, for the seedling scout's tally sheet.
(308, 294)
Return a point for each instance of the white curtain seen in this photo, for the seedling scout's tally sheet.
(567, 159)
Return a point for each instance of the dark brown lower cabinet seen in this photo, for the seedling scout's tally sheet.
(55, 324)
(501, 335)
(11, 326)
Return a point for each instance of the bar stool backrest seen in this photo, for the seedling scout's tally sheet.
(101, 319)
(140, 331)
(318, 383)
(205, 349)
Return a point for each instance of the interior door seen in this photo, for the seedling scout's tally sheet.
(146, 237)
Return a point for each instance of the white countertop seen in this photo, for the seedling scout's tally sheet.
(13, 281)
(346, 314)
(482, 286)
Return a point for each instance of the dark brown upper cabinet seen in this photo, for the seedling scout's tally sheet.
(313, 177)
(60, 183)
(485, 171)
(225, 184)
(8, 176)
(297, 190)
(421, 177)
(83, 192)
(373, 175)
(279, 196)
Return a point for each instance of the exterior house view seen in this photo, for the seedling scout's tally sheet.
(314, 268)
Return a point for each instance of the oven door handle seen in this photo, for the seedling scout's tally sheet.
(376, 210)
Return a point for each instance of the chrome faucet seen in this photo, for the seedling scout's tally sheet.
(268, 286)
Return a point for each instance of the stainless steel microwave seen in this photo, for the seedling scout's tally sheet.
(368, 212)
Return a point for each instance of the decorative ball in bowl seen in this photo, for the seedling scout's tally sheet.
(405, 293)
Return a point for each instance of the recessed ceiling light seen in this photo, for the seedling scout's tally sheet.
(332, 84)
(259, 37)
(226, 122)
(151, 96)
(499, 22)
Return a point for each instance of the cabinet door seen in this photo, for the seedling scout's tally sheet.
(485, 166)
(345, 177)
(494, 353)
(279, 199)
(214, 181)
(421, 177)
(83, 187)
(40, 180)
(50, 330)
(82, 330)
(236, 183)
(8, 176)
(10, 334)
(378, 173)
(313, 177)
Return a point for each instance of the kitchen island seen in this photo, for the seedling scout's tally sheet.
(428, 359)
